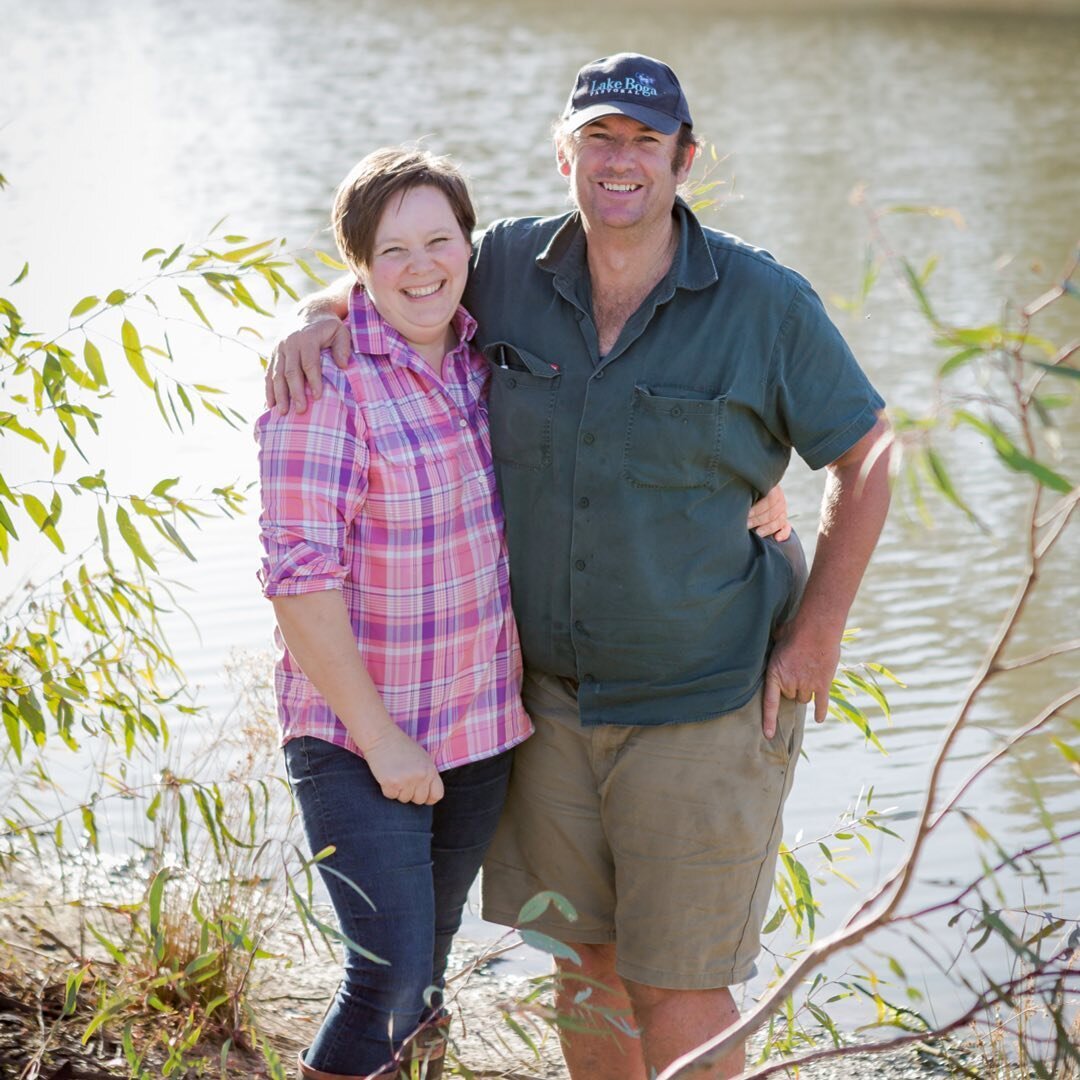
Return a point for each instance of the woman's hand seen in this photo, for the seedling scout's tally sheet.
(768, 516)
(403, 768)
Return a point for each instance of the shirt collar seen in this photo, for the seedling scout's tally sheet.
(691, 268)
(374, 336)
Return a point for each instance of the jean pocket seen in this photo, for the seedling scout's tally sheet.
(307, 756)
(673, 439)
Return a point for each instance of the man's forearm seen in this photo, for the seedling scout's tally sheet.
(331, 300)
(853, 511)
(807, 649)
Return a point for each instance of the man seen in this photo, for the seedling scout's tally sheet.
(649, 378)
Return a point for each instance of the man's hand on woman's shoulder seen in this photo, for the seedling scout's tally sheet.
(296, 362)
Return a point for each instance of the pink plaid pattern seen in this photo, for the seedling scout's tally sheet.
(384, 489)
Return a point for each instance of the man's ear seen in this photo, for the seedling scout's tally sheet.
(688, 163)
(561, 158)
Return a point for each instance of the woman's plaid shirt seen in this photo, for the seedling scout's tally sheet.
(384, 490)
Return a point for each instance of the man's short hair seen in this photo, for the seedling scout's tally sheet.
(393, 170)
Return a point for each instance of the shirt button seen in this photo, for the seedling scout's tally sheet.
(583, 502)
(588, 438)
(462, 422)
(580, 564)
(677, 411)
(579, 625)
(588, 679)
(600, 374)
(511, 383)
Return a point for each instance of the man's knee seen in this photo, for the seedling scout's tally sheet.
(596, 972)
(655, 1000)
(595, 960)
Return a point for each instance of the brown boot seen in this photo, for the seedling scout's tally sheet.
(308, 1073)
(428, 1048)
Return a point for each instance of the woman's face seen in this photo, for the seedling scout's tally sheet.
(418, 266)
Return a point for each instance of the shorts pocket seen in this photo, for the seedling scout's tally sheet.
(787, 740)
(673, 439)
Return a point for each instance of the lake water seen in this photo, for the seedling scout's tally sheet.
(125, 126)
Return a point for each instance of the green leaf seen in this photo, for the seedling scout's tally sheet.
(43, 519)
(943, 482)
(1012, 456)
(533, 908)
(116, 297)
(1067, 752)
(958, 360)
(326, 260)
(189, 296)
(171, 257)
(26, 266)
(549, 945)
(103, 533)
(240, 254)
(774, 923)
(129, 336)
(916, 286)
(132, 538)
(90, 825)
(92, 359)
(87, 303)
(9, 423)
(6, 523)
(155, 897)
(1063, 370)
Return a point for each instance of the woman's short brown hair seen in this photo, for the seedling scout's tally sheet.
(363, 195)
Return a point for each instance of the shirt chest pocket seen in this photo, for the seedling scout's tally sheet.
(674, 438)
(522, 397)
(418, 464)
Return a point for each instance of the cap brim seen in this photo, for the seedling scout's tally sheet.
(658, 121)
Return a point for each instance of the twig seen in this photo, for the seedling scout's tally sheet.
(1035, 658)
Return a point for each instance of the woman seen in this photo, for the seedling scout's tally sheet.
(386, 563)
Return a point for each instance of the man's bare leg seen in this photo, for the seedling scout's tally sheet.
(610, 1053)
(673, 1022)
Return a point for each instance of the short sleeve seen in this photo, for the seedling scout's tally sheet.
(823, 401)
(313, 477)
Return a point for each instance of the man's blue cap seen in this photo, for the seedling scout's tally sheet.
(631, 85)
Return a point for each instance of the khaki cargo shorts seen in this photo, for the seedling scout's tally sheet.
(664, 838)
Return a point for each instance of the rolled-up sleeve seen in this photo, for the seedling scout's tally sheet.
(313, 476)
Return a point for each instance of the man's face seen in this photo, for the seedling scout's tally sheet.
(621, 172)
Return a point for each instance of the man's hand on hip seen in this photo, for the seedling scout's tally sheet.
(801, 667)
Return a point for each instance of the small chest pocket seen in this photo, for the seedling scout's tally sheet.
(521, 406)
(418, 463)
(673, 439)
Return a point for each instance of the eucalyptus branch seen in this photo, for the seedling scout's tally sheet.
(1037, 658)
(1063, 512)
(957, 899)
(999, 992)
(1029, 728)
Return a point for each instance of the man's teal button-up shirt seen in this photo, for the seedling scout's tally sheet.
(627, 479)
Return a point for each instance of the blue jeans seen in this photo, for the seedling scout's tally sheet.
(415, 864)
